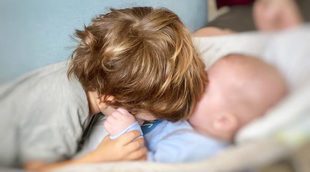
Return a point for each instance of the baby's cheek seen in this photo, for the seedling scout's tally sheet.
(199, 121)
(196, 116)
(193, 121)
(199, 125)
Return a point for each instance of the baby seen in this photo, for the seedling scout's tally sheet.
(241, 89)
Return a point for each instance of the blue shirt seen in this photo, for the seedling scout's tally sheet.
(179, 142)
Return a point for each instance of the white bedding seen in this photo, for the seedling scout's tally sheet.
(284, 129)
(233, 159)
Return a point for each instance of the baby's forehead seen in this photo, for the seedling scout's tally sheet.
(239, 74)
(242, 67)
(245, 80)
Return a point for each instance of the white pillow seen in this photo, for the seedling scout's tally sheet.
(288, 121)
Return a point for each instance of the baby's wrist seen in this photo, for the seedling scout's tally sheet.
(134, 126)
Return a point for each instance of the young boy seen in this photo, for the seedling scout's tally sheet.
(142, 57)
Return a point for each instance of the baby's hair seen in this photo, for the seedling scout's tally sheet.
(144, 57)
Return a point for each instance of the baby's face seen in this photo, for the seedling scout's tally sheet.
(209, 108)
(223, 108)
(240, 90)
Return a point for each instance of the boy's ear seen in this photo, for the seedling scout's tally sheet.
(103, 98)
(101, 101)
(225, 122)
(103, 107)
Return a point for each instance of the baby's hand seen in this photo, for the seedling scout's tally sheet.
(118, 121)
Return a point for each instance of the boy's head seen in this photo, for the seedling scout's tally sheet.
(144, 58)
(240, 89)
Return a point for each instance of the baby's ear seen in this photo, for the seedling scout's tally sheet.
(225, 123)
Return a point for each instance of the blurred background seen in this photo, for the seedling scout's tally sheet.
(35, 33)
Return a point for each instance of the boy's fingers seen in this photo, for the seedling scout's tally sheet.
(135, 145)
(128, 137)
(143, 157)
(137, 155)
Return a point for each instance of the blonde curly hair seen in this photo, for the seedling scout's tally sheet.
(144, 58)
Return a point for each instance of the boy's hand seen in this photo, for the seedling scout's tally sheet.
(126, 147)
(118, 121)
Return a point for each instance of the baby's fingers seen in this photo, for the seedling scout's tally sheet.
(124, 114)
(108, 127)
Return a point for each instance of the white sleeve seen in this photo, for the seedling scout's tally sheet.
(132, 127)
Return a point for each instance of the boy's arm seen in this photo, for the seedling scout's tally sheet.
(109, 150)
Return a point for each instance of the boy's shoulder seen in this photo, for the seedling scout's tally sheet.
(45, 90)
(53, 76)
(39, 74)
